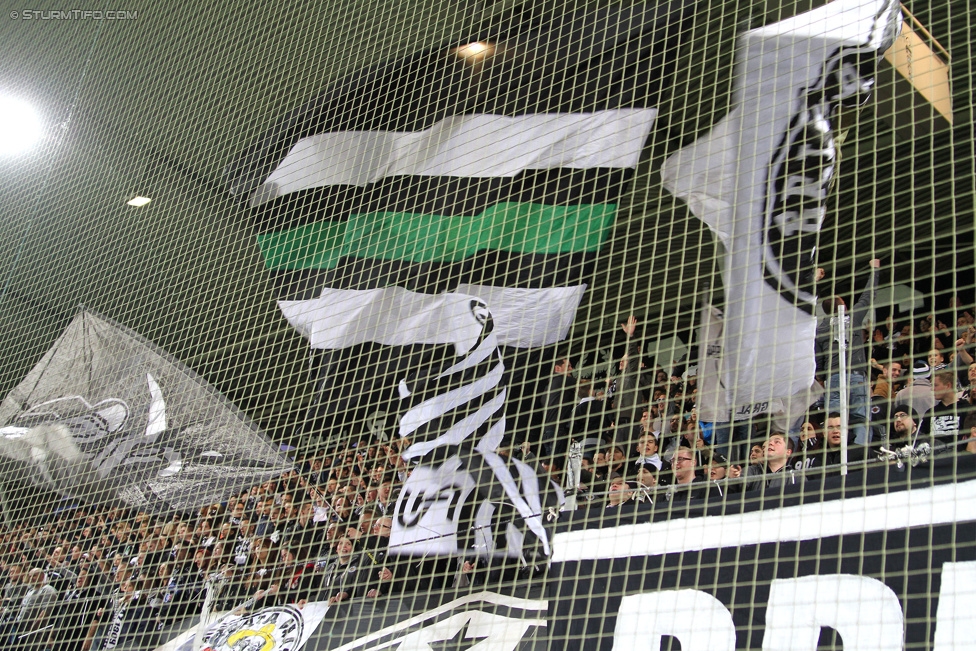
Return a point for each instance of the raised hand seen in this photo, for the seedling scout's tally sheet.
(630, 326)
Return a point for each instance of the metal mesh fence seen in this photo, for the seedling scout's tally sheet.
(490, 325)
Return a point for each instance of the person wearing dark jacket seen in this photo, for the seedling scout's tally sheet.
(776, 472)
(685, 476)
(557, 404)
(341, 573)
(830, 453)
(378, 574)
(77, 612)
(828, 359)
(628, 392)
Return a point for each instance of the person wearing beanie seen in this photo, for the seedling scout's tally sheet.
(904, 424)
(717, 467)
(919, 393)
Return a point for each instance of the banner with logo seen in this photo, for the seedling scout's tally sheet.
(276, 628)
(482, 621)
(463, 497)
(108, 415)
(883, 560)
(493, 621)
(761, 179)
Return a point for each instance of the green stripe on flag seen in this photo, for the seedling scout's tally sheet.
(515, 227)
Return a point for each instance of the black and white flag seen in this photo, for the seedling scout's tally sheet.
(713, 397)
(495, 160)
(107, 415)
(463, 497)
(491, 166)
(761, 178)
(484, 621)
(409, 199)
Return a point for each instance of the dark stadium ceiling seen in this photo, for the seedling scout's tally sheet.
(157, 105)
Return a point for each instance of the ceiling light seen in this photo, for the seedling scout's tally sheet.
(474, 52)
(138, 201)
(20, 126)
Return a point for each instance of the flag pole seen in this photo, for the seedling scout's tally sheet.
(4, 507)
(844, 407)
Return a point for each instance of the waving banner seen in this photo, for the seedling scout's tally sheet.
(761, 179)
(107, 415)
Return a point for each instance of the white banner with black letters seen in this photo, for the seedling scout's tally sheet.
(887, 563)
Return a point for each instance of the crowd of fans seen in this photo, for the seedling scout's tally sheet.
(100, 577)
(89, 577)
(909, 383)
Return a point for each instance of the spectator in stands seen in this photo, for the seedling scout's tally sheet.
(647, 453)
(628, 391)
(37, 605)
(378, 573)
(807, 446)
(691, 437)
(937, 361)
(776, 472)
(888, 382)
(78, 614)
(123, 627)
(919, 392)
(961, 358)
(647, 476)
(969, 432)
(968, 394)
(904, 424)
(557, 404)
(828, 361)
(948, 414)
(718, 468)
(685, 475)
(589, 416)
(757, 455)
(341, 572)
(830, 453)
(618, 491)
(616, 459)
(13, 592)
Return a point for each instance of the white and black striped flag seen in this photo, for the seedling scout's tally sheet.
(492, 161)
(424, 217)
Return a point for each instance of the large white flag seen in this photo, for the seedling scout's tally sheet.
(760, 180)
